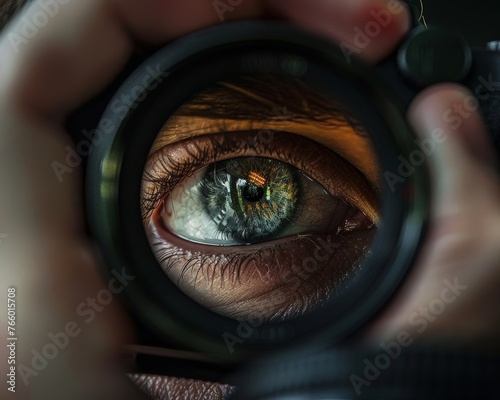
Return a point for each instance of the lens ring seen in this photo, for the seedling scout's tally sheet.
(115, 171)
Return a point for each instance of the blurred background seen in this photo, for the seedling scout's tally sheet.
(477, 20)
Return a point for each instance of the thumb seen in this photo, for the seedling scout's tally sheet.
(461, 244)
(464, 161)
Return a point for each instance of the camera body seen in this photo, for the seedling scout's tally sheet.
(193, 342)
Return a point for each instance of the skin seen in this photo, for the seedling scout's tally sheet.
(343, 142)
(271, 269)
(52, 263)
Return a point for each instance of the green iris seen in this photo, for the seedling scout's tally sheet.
(251, 198)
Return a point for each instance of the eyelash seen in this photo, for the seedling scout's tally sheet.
(173, 171)
(207, 263)
(269, 261)
(233, 266)
(178, 171)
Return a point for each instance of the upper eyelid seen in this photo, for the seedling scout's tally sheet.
(211, 127)
(349, 190)
(353, 145)
(181, 127)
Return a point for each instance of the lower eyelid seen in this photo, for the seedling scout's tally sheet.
(234, 283)
(244, 280)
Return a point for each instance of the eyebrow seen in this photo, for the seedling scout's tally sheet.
(266, 104)
(265, 98)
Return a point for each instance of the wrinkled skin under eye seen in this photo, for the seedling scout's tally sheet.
(282, 275)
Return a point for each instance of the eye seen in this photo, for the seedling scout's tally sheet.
(255, 210)
(328, 221)
(248, 200)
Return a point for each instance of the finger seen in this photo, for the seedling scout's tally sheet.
(370, 29)
(461, 244)
(154, 22)
(43, 76)
(50, 263)
(464, 157)
(84, 44)
(56, 62)
(464, 185)
(78, 52)
(454, 109)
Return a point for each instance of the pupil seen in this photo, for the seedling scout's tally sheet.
(253, 193)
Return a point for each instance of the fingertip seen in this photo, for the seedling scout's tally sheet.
(369, 29)
(453, 110)
(436, 99)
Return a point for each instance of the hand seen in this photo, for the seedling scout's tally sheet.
(451, 292)
(47, 256)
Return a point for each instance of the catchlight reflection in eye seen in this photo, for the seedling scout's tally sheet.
(248, 200)
(253, 214)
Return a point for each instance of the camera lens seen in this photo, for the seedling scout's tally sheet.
(261, 196)
(260, 188)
